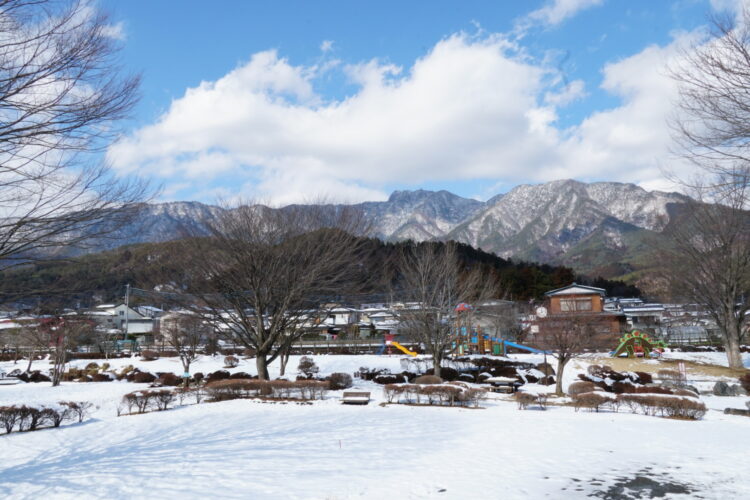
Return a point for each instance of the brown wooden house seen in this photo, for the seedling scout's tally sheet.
(583, 303)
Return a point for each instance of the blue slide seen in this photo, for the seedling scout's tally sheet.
(519, 346)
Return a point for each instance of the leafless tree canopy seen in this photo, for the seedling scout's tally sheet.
(262, 274)
(713, 123)
(60, 94)
(185, 334)
(434, 283)
(709, 260)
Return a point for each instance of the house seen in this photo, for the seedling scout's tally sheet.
(581, 303)
(121, 317)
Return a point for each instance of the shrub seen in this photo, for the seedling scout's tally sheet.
(149, 356)
(666, 406)
(581, 387)
(307, 367)
(428, 379)
(466, 377)
(217, 375)
(644, 378)
(223, 390)
(169, 379)
(446, 373)
(100, 377)
(388, 379)
(745, 382)
(198, 377)
(241, 375)
(92, 366)
(370, 373)
(78, 409)
(231, 361)
(591, 400)
(338, 381)
(9, 416)
(549, 380)
(524, 399)
(162, 399)
(143, 377)
(35, 377)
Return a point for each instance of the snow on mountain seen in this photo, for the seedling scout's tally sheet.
(542, 222)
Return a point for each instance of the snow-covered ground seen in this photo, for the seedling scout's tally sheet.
(249, 449)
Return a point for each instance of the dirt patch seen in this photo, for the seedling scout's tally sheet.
(694, 369)
(641, 486)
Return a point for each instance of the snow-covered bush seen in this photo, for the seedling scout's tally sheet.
(231, 361)
(339, 381)
(389, 379)
(745, 382)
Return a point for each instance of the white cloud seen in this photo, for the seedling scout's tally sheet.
(469, 109)
(555, 12)
(115, 31)
(326, 45)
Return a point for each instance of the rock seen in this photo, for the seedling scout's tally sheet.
(735, 411)
(737, 390)
(722, 389)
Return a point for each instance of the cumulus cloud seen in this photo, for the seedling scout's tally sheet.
(472, 108)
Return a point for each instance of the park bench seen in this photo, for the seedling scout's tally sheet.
(355, 398)
(506, 385)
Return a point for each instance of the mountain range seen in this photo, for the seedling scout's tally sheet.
(601, 228)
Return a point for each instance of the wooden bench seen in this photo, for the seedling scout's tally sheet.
(355, 398)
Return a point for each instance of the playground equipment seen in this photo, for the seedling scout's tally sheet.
(402, 348)
(637, 344)
(388, 342)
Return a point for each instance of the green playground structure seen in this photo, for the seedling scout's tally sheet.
(637, 344)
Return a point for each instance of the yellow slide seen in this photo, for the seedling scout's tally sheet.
(403, 349)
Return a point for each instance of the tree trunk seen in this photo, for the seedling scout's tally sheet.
(262, 365)
(560, 368)
(436, 365)
(31, 360)
(732, 346)
(284, 359)
(186, 369)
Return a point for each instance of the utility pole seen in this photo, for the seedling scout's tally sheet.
(127, 309)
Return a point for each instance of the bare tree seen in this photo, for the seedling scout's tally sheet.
(709, 264)
(709, 259)
(434, 283)
(262, 273)
(566, 337)
(60, 95)
(184, 332)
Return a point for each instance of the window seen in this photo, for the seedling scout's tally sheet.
(572, 305)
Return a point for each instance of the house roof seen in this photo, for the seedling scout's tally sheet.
(576, 289)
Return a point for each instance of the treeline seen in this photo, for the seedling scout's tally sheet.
(101, 277)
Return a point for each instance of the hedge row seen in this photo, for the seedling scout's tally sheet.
(647, 404)
(450, 394)
(145, 401)
(31, 418)
(223, 390)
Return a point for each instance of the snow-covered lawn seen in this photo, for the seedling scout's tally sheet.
(248, 449)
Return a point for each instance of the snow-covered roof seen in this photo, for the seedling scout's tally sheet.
(576, 289)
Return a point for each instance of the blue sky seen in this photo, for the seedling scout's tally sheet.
(292, 101)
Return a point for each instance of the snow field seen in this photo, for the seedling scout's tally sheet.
(247, 449)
